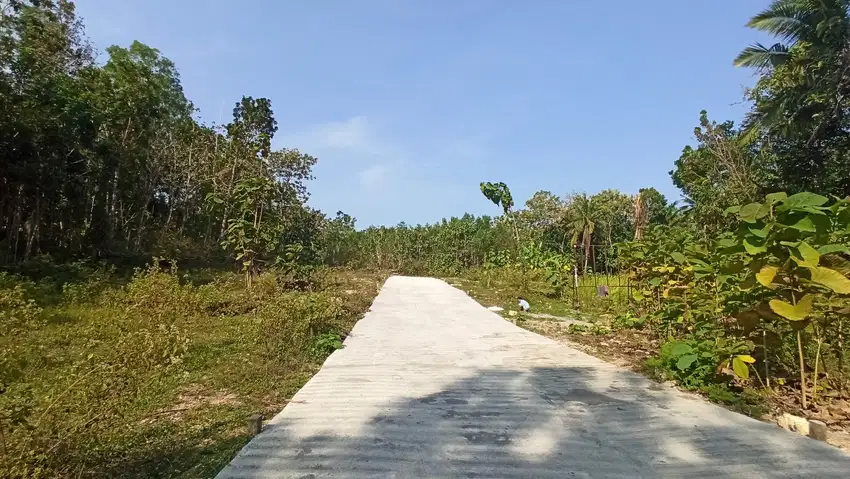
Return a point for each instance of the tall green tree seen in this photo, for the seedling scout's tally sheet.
(46, 125)
(801, 102)
(582, 217)
(720, 172)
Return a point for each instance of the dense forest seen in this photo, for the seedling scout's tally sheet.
(106, 165)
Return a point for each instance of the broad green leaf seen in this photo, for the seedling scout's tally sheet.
(831, 279)
(766, 275)
(822, 223)
(727, 243)
(750, 212)
(815, 210)
(776, 197)
(655, 282)
(791, 312)
(747, 358)
(804, 224)
(733, 209)
(761, 232)
(685, 362)
(810, 256)
(833, 248)
(801, 200)
(740, 367)
(680, 348)
(678, 257)
(753, 249)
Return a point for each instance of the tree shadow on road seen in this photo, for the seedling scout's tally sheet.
(547, 422)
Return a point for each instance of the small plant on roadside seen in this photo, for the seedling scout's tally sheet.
(577, 328)
(628, 320)
(696, 363)
(326, 343)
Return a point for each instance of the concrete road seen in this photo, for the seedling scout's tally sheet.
(431, 384)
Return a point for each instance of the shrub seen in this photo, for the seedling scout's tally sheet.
(695, 363)
(159, 347)
(158, 291)
(628, 320)
(325, 344)
(16, 310)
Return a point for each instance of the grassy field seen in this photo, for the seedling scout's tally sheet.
(503, 286)
(154, 375)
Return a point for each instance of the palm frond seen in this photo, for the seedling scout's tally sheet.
(761, 57)
(787, 19)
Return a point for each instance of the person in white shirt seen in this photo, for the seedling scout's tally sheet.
(523, 304)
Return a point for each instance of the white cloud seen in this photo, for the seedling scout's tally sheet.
(355, 135)
(374, 176)
(355, 147)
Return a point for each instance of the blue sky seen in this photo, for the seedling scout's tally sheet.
(410, 104)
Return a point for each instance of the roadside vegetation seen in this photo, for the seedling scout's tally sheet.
(154, 375)
(162, 279)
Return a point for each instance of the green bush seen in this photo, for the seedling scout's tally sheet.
(160, 292)
(326, 343)
(696, 363)
(628, 320)
(16, 309)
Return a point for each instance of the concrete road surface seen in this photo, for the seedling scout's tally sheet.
(431, 384)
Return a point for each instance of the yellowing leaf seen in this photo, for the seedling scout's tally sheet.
(740, 367)
(810, 256)
(831, 279)
(747, 358)
(791, 312)
(766, 275)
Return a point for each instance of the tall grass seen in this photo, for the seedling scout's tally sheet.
(153, 375)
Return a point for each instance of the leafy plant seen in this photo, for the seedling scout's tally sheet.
(250, 235)
(325, 344)
(696, 363)
(794, 247)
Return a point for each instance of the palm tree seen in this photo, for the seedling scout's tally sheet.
(822, 24)
(814, 49)
(582, 215)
